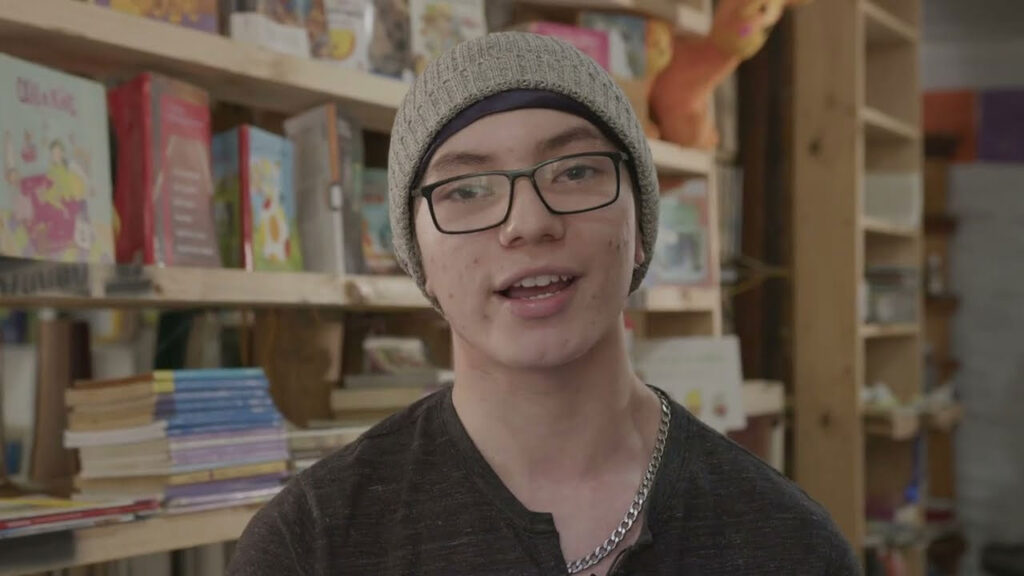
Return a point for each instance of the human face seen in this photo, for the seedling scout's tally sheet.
(477, 278)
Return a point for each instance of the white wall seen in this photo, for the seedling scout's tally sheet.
(979, 44)
(973, 44)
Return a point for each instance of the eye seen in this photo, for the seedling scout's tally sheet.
(462, 192)
(576, 173)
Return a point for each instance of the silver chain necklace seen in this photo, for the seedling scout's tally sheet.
(633, 513)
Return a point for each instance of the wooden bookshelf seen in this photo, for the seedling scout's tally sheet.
(856, 110)
(880, 126)
(117, 541)
(882, 27)
(95, 41)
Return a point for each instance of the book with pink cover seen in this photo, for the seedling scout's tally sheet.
(55, 190)
(593, 43)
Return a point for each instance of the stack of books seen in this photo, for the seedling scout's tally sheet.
(194, 439)
(39, 514)
(309, 446)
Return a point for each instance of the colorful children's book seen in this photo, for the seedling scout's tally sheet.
(349, 25)
(683, 253)
(253, 170)
(593, 43)
(439, 25)
(378, 252)
(389, 51)
(328, 182)
(164, 191)
(198, 14)
(55, 193)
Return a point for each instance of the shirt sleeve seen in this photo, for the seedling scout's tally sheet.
(844, 561)
(279, 540)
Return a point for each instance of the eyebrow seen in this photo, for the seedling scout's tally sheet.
(452, 160)
(584, 132)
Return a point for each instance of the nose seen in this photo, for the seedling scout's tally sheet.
(529, 220)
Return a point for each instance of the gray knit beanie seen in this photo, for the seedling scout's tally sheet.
(496, 63)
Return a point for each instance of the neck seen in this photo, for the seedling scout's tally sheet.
(557, 424)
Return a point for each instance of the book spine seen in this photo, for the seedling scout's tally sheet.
(230, 437)
(222, 486)
(198, 396)
(209, 374)
(214, 428)
(170, 406)
(245, 194)
(267, 452)
(194, 419)
(77, 515)
(239, 384)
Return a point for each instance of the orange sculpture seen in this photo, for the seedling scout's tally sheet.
(681, 94)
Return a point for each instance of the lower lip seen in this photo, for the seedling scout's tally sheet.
(534, 309)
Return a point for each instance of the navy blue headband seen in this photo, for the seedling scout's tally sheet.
(505, 102)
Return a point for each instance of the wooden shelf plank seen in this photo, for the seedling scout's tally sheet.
(686, 19)
(153, 535)
(888, 331)
(88, 39)
(674, 160)
(32, 284)
(879, 126)
(879, 227)
(667, 298)
(882, 27)
(896, 424)
(46, 284)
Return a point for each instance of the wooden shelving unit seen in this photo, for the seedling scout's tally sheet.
(856, 108)
(97, 42)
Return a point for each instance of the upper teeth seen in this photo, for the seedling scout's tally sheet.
(540, 281)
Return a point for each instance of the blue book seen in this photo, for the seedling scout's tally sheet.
(171, 406)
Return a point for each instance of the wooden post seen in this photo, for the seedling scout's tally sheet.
(828, 259)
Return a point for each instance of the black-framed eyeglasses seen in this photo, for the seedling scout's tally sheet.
(566, 185)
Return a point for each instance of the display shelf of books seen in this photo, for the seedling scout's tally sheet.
(87, 39)
(858, 241)
(162, 533)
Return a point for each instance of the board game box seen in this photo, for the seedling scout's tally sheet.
(253, 171)
(164, 190)
(55, 195)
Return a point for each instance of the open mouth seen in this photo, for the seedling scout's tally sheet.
(538, 287)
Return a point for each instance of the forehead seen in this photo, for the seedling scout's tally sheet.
(510, 139)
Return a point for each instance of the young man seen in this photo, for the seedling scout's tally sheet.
(524, 203)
